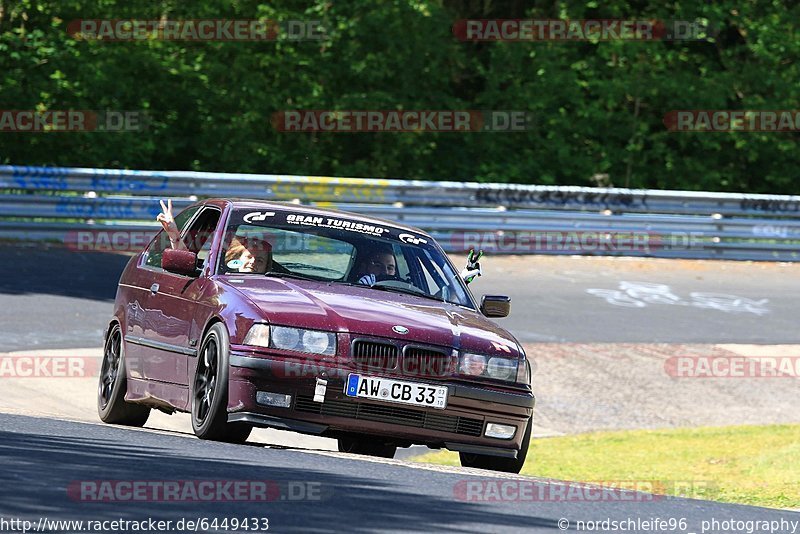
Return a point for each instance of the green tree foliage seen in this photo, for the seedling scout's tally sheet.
(598, 107)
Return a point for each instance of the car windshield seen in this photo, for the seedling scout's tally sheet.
(338, 249)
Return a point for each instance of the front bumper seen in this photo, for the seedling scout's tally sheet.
(460, 426)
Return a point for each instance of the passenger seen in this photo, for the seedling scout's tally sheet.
(252, 255)
(249, 255)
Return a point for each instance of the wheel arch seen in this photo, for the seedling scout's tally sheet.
(214, 319)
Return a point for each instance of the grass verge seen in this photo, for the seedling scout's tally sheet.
(756, 465)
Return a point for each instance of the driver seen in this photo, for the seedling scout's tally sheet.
(380, 265)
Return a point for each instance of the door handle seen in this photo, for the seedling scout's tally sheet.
(154, 289)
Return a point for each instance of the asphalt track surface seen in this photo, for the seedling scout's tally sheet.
(733, 302)
(44, 458)
(53, 298)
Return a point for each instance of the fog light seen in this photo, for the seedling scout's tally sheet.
(496, 430)
(278, 400)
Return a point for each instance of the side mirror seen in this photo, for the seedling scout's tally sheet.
(179, 261)
(495, 305)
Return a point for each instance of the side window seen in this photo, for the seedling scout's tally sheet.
(156, 249)
(200, 235)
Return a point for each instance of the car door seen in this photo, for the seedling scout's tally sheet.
(173, 304)
(137, 288)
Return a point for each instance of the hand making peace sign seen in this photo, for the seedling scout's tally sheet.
(168, 222)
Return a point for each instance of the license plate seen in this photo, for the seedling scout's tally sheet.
(385, 389)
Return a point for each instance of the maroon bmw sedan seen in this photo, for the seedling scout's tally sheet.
(320, 322)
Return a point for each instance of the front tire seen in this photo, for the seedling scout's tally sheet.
(113, 384)
(496, 463)
(210, 391)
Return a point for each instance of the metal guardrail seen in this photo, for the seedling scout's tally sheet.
(44, 202)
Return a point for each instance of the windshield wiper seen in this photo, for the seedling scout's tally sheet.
(307, 266)
(297, 276)
(416, 293)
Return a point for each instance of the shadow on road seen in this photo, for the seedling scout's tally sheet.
(54, 270)
(38, 470)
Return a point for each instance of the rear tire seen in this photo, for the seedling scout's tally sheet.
(497, 463)
(367, 445)
(113, 384)
(210, 391)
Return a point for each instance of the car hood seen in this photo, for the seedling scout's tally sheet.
(364, 311)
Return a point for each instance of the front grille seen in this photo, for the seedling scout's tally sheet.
(421, 361)
(391, 414)
(374, 355)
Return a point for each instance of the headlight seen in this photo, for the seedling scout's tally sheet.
(495, 367)
(502, 369)
(285, 338)
(258, 335)
(472, 364)
(316, 342)
(309, 341)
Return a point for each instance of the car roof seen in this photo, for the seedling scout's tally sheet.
(246, 203)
